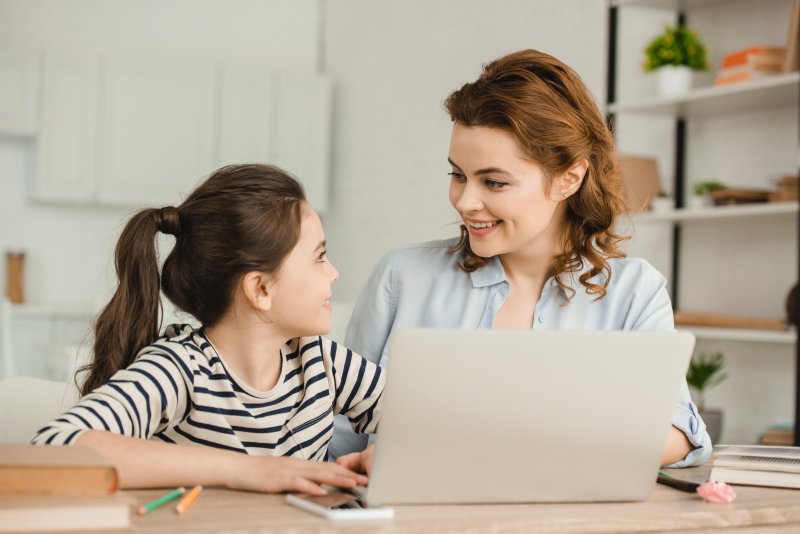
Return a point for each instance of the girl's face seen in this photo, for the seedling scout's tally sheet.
(301, 294)
(503, 198)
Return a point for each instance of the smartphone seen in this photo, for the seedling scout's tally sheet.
(339, 505)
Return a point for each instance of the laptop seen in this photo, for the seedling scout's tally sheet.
(503, 416)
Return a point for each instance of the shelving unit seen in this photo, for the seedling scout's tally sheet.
(764, 95)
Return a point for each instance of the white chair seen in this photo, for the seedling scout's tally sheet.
(27, 404)
(6, 360)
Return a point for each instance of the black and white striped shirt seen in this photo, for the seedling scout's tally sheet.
(178, 390)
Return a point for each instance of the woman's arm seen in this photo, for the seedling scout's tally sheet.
(677, 448)
(147, 464)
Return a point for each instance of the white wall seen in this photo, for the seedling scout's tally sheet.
(393, 64)
(69, 249)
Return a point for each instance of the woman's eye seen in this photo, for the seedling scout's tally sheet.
(457, 176)
(494, 184)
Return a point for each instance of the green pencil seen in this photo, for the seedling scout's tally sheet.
(164, 499)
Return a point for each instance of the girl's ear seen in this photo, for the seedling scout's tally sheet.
(568, 183)
(258, 289)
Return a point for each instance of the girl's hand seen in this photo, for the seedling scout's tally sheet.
(275, 475)
(360, 462)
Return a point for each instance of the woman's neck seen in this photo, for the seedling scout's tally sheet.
(250, 348)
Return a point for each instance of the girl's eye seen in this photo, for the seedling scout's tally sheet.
(322, 256)
(457, 176)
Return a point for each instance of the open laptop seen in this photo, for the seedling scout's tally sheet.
(487, 416)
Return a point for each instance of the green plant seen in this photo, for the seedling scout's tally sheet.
(701, 188)
(705, 372)
(678, 45)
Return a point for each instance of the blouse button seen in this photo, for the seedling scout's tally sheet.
(540, 318)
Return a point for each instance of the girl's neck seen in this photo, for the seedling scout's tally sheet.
(250, 348)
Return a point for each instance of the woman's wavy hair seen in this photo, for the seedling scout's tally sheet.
(557, 123)
(243, 218)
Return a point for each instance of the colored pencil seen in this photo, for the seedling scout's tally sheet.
(188, 499)
(164, 499)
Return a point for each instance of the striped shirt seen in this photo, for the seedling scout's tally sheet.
(179, 390)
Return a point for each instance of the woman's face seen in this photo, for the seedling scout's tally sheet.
(503, 198)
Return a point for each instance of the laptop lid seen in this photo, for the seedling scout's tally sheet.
(484, 416)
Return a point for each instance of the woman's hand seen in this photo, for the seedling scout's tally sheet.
(275, 475)
(360, 462)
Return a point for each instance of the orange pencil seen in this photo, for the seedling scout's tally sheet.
(188, 499)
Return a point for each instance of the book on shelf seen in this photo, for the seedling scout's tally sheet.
(757, 465)
(718, 320)
(778, 435)
(79, 513)
(751, 63)
(55, 470)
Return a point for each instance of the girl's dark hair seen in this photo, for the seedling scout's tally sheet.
(243, 218)
(544, 104)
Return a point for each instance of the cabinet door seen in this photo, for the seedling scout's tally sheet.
(246, 117)
(19, 79)
(301, 137)
(66, 155)
(158, 131)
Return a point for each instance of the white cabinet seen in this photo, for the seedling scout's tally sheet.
(282, 119)
(66, 160)
(158, 131)
(146, 132)
(19, 82)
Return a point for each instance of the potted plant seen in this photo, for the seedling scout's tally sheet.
(705, 372)
(673, 55)
(701, 192)
(662, 203)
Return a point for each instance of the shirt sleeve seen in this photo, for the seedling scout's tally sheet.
(652, 310)
(367, 334)
(138, 401)
(358, 386)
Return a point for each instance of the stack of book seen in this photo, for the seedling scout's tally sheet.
(59, 488)
(751, 63)
(757, 465)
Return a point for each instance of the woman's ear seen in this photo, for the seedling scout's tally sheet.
(258, 289)
(568, 183)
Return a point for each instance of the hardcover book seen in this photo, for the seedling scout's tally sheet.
(55, 470)
(758, 465)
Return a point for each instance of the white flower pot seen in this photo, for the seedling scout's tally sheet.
(662, 204)
(696, 202)
(673, 81)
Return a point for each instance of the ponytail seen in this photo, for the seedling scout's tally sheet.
(130, 320)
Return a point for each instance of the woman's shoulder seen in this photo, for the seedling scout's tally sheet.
(421, 256)
(632, 272)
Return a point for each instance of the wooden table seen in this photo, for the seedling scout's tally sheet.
(756, 510)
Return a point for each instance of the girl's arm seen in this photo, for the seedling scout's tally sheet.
(357, 383)
(144, 463)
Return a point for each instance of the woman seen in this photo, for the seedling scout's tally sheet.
(535, 183)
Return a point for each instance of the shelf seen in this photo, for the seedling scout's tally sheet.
(736, 334)
(48, 311)
(672, 5)
(773, 209)
(777, 91)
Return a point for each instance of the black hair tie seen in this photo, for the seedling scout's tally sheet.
(169, 221)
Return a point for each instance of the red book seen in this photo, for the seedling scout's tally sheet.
(752, 54)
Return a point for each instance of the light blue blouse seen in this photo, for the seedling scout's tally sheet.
(422, 286)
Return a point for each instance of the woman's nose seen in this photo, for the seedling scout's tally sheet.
(467, 199)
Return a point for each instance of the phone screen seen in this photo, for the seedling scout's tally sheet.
(336, 501)
(339, 505)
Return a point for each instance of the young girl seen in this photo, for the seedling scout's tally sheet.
(247, 401)
(534, 182)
